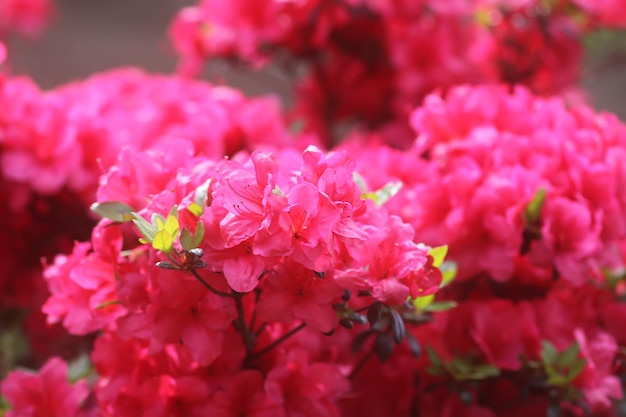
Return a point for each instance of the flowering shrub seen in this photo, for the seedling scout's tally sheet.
(202, 256)
(248, 252)
(372, 61)
(529, 195)
(55, 144)
(25, 17)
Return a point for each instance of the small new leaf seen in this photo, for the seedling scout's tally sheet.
(198, 235)
(163, 241)
(201, 197)
(448, 271)
(186, 239)
(147, 230)
(440, 306)
(360, 182)
(421, 303)
(549, 354)
(113, 210)
(380, 197)
(569, 355)
(439, 255)
(533, 209)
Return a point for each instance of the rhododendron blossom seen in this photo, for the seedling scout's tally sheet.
(461, 252)
(45, 393)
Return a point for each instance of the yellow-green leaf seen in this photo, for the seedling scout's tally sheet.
(533, 209)
(421, 303)
(163, 241)
(439, 254)
(171, 226)
(440, 306)
(147, 230)
(448, 271)
(196, 209)
(198, 235)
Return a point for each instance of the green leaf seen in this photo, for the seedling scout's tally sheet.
(79, 368)
(482, 371)
(113, 210)
(147, 230)
(533, 209)
(186, 239)
(555, 379)
(569, 355)
(549, 354)
(195, 209)
(163, 241)
(389, 190)
(448, 270)
(435, 367)
(439, 254)
(421, 303)
(440, 306)
(198, 235)
(575, 369)
(171, 226)
(107, 303)
(360, 182)
(201, 196)
(383, 195)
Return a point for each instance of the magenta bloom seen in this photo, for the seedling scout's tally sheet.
(46, 393)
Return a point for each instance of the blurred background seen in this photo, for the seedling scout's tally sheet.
(88, 36)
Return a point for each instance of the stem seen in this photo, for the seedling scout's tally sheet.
(277, 341)
(260, 329)
(208, 286)
(361, 363)
(246, 334)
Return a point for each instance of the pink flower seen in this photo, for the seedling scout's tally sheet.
(46, 393)
(27, 17)
(82, 285)
(596, 380)
(293, 292)
(243, 394)
(303, 388)
(392, 266)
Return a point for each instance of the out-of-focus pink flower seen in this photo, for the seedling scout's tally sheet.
(46, 393)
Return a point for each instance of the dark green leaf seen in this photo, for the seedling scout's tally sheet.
(397, 326)
(384, 346)
(374, 313)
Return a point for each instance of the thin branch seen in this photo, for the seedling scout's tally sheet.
(208, 286)
(246, 334)
(361, 363)
(277, 341)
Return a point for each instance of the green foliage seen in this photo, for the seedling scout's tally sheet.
(381, 196)
(459, 369)
(561, 367)
(532, 213)
(113, 210)
(439, 254)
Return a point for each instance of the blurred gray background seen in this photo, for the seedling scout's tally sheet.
(94, 35)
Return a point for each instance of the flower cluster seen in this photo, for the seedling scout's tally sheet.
(202, 258)
(529, 195)
(372, 61)
(25, 17)
(239, 254)
(54, 145)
